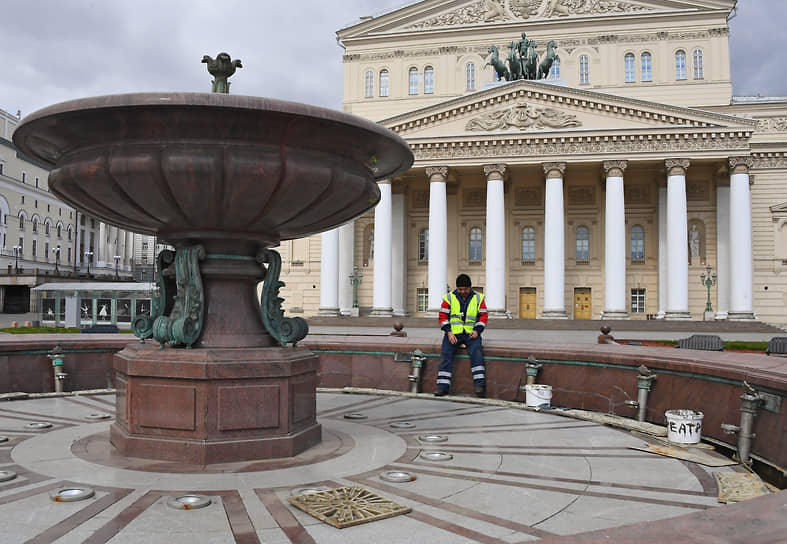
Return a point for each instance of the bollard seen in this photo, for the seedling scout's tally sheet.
(644, 383)
(532, 370)
(56, 355)
(750, 404)
(418, 359)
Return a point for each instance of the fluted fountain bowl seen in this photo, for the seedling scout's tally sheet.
(194, 166)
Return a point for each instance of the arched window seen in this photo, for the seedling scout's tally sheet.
(59, 231)
(647, 67)
(470, 76)
(637, 243)
(21, 222)
(383, 82)
(629, 67)
(554, 72)
(368, 84)
(423, 245)
(699, 71)
(584, 70)
(46, 229)
(413, 79)
(35, 225)
(528, 244)
(583, 244)
(680, 64)
(475, 244)
(428, 80)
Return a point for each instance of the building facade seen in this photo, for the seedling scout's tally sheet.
(41, 238)
(606, 189)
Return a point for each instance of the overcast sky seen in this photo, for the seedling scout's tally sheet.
(56, 50)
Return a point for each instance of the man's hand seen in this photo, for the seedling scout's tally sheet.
(474, 334)
(451, 338)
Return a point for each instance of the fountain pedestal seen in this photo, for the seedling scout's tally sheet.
(214, 405)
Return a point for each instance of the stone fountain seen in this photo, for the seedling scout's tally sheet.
(223, 179)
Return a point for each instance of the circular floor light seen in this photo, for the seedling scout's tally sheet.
(38, 425)
(71, 494)
(3, 439)
(437, 456)
(354, 416)
(6, 475)
(403, 425)
(308, 490)
(188, 502)
(98, 416)
(397, 476)
(432, 438)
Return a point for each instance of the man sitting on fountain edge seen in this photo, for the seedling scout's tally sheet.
(463, 317)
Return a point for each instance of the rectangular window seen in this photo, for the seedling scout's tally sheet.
(24, 176)
(1, 168)
(428, 80)
(422, 296)
(584, 70)
(35, 248)
(637, 301)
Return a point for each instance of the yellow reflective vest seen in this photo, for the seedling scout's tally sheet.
(471, 317)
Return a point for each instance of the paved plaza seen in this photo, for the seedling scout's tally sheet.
(511, 475)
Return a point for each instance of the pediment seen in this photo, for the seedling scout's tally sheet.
(536, 108)
(436, 14)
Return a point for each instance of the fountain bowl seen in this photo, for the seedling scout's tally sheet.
(196, 166)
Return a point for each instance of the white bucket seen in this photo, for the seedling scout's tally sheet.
(537, 394)
(684, 426)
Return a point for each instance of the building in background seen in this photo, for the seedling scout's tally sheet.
(605, 189)
(44, 240)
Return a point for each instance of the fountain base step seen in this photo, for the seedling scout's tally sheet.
(219, 405)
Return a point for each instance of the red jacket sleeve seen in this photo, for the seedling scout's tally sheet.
(445, 316)
(483, 316)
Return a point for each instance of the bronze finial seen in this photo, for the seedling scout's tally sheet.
(221, 68)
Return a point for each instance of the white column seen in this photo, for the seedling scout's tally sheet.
(77, 246)
(614, 243)
(554, 243)
(438, 238)
(399, 255)
(741, 303)
(381, 303)
(677, 241)
(101, 248)
(329, 273)
(346, 262)
(722, 251)
(662, 253)
(495, 285)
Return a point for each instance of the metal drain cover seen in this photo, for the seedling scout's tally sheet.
(100, 415)
(354, 416)
(397, 476)
(71, 494)
(38, 425)
(347, 506)
(6, 475)
(188, 502)
(437, 456)
(431, 438)
(403, 425)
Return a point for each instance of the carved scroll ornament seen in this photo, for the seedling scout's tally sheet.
(524, 117)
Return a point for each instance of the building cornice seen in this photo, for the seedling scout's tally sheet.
(510, 92)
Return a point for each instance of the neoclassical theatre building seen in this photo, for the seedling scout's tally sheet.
(627, 183)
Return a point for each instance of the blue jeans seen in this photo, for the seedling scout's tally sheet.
(445, 372)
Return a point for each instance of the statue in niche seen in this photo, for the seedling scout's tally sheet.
(694, 243)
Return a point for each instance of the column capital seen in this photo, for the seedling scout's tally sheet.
(550, 167)
(676, 167)
(740, 165)
(433, 171)
(614, 168)
(491, 169)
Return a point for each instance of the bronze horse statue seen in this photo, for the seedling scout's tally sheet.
(497, 64)
(549, 59)
(514, 63)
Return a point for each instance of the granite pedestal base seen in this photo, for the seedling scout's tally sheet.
(215, 405)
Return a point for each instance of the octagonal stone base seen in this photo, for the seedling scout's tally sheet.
(215, 405)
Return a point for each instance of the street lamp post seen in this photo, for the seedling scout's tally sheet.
(88, 254)
(17, 251)
(56, 251)
(355, 281)
(117, 262)
(708, 280)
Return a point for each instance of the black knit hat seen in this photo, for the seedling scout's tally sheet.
(463, 280)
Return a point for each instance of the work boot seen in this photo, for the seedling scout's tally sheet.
(480, 391)
(440, 393)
